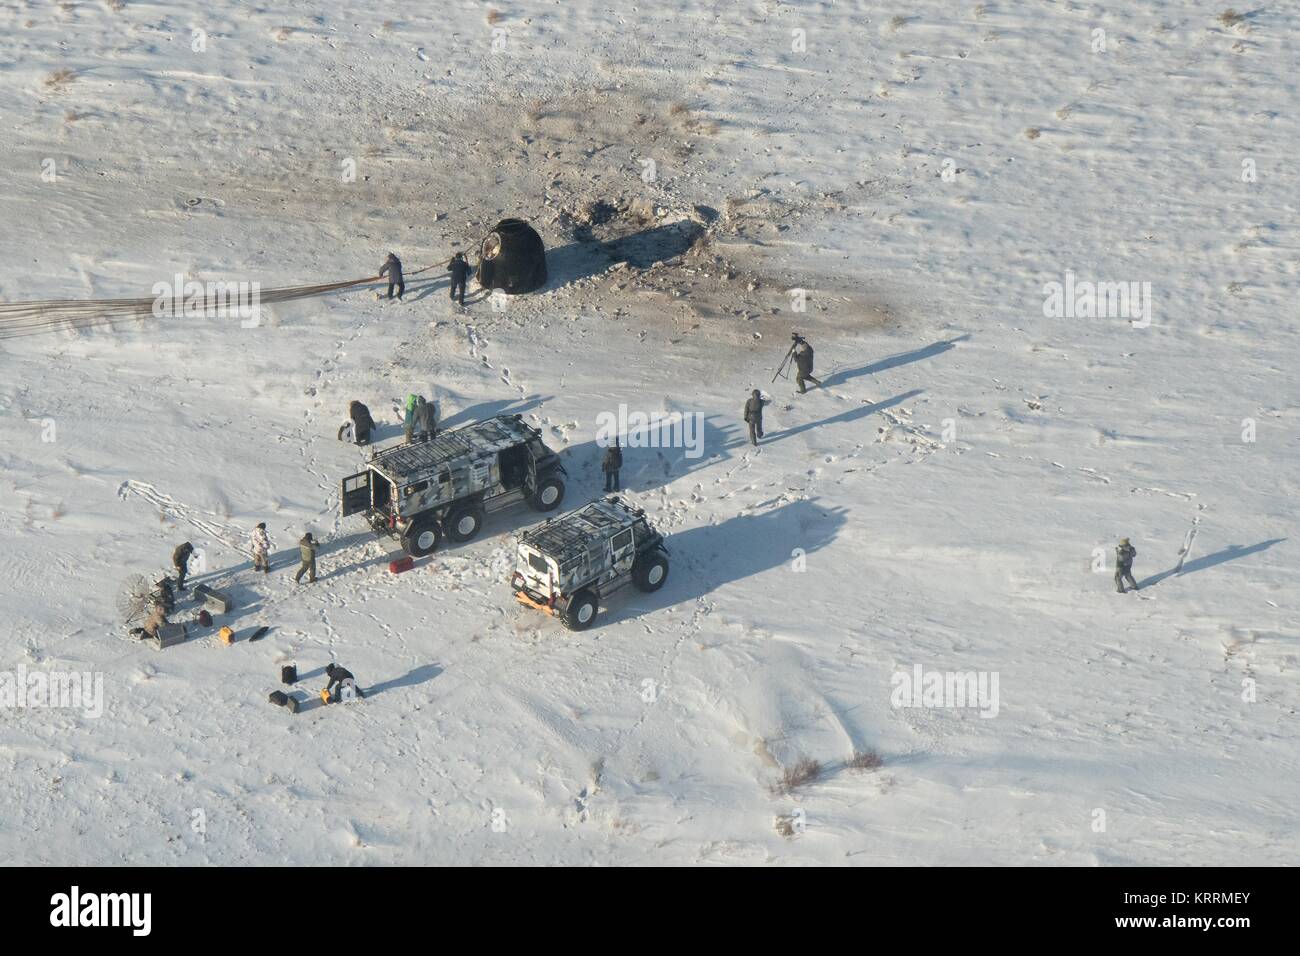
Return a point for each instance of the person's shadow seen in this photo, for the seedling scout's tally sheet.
(485, 410)
(413, 677)
(425, 287)
(1230, 553)
(893, 361)
(852, 415)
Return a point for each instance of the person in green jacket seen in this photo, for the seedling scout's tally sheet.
(408, 424)
(307, 546)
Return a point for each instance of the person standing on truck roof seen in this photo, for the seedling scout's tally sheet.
(392, 267)
(408, 422)
(426, 419)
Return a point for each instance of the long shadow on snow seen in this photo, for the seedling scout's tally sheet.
(852, 415)
(838, 377)
(658, 457)
(412, 678)
(1230, 553)
(491, 409)
(704, 559)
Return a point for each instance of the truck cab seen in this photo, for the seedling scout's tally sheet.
(566, 566)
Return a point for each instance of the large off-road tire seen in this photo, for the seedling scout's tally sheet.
(650, 571)
(581, 611)
(464, 524)
(549, 493)
(422, 537)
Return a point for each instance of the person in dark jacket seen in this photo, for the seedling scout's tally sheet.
(803, 363)
(307, 546)
(339, 678)
(181, 562)
(163, 595)
(460, 270)
(1124, 555)
(611, 464)
(362, 423)
(425, 419)
(393, 269)
(754, 415)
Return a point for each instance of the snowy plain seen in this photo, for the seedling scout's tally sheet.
(922, 170)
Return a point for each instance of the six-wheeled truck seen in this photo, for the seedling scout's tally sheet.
(569, 564)
(420, 491)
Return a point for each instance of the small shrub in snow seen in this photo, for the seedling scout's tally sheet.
(803, 772)
(864, 760)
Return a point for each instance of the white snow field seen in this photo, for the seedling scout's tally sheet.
(950, 500)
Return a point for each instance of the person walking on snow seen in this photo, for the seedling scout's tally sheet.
(393, 269)
(1124, 555)
(460, 270)
(307, 546)
(754, 415)
(181, 562)
(803, 362)
(261, 548)
(610, 465)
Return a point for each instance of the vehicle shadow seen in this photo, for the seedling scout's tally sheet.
(655, 455)
(704, 559)
(1230, 553)
(840, 376)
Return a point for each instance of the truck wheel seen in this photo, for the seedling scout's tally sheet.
(650, 572)
(421, 538)
(464, 524)
(580, 612)
(549, 494)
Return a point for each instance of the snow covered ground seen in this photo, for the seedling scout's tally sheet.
(923, 171)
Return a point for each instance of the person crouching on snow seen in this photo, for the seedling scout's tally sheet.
(342, 685)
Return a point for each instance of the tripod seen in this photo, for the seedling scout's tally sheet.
(785, 362)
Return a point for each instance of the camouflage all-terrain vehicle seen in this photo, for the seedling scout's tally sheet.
(420, 491)
(569, 564)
